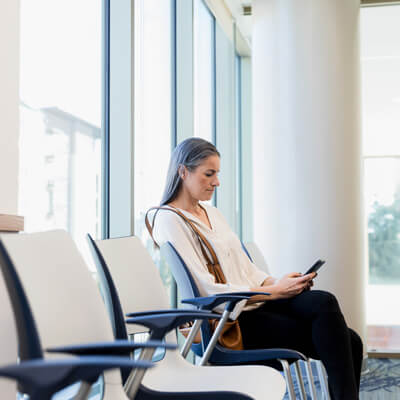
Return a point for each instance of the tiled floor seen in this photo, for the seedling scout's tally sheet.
(382, 382)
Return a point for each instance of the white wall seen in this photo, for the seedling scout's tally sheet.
(9, 112)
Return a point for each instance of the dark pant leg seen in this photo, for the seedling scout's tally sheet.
(357, 351)
(313, 324)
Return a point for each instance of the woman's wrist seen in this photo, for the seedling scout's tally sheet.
(273, 289)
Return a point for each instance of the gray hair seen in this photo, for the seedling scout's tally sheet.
(190, 153)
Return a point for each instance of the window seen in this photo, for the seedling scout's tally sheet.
(60, 113)
(60, 120)
(153, 116)
(380, 50)
(226, 135)
(204, 73)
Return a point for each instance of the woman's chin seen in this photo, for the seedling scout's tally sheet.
(207, 196)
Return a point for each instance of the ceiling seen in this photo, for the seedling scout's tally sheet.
(243, 21)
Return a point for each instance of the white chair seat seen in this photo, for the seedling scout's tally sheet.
(252, 380)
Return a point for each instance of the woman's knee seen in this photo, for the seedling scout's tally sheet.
(356, 343)
(325, 301)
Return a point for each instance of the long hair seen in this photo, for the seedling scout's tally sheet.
(190, 153)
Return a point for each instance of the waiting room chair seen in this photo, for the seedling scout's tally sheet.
(133, 281)
(37, 377)
(211, 350)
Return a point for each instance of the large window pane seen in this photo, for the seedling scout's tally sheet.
(153, 110)
(380, 46)
(203, 65)
(380, 51)
(153, 138)
(60, 138)
(226, 137)
(60, 122)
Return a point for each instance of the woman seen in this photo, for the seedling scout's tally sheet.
(294, 316)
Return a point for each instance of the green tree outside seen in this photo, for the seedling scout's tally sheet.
(384, 242)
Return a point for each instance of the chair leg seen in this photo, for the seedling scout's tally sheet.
(132, 384)
(214, 338)
(189, 340)
(84, 391)
(323, 379)
(289, 380)
(302, 390)
(310, 379)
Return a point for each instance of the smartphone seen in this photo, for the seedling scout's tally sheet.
(315, 267)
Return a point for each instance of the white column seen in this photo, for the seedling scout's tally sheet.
(306, 143)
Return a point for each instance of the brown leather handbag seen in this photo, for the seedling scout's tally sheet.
(231, 336)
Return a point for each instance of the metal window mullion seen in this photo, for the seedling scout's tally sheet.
(214, 93)
(240, 147)
(105, 143)
(174, 116)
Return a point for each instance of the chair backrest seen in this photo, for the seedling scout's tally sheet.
(134, 275)
(8, 341)
(187, 286)
(62, 292)
(254, 253)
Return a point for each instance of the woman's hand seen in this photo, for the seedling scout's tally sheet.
(292, 284)
(289, 285)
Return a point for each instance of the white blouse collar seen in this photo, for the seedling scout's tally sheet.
(196, 219)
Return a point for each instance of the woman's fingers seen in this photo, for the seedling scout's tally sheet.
(294, 275)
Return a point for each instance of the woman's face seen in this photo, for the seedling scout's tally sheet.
(202, 182)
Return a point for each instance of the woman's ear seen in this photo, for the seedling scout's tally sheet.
(182, 171)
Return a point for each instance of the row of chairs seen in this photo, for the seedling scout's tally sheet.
(58, 309)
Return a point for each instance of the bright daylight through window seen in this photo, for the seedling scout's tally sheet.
(380, 52)
(60, 111)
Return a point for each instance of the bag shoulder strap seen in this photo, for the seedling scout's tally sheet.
(202, 240)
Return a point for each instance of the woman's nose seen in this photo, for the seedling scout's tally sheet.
(216, 182)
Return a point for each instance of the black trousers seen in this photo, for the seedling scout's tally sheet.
(313, 324)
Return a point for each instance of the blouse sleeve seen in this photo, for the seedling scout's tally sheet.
(169, 227)
(255, 273)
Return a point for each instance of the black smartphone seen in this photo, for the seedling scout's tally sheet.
(315, 267)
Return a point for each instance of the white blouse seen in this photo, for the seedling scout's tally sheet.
(240, 273)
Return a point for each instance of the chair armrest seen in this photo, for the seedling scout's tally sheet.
(45, 377)
(284, 354)
(169, 311)
(160, 325)
(210, 302)
(248, 294)
(116, 348)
